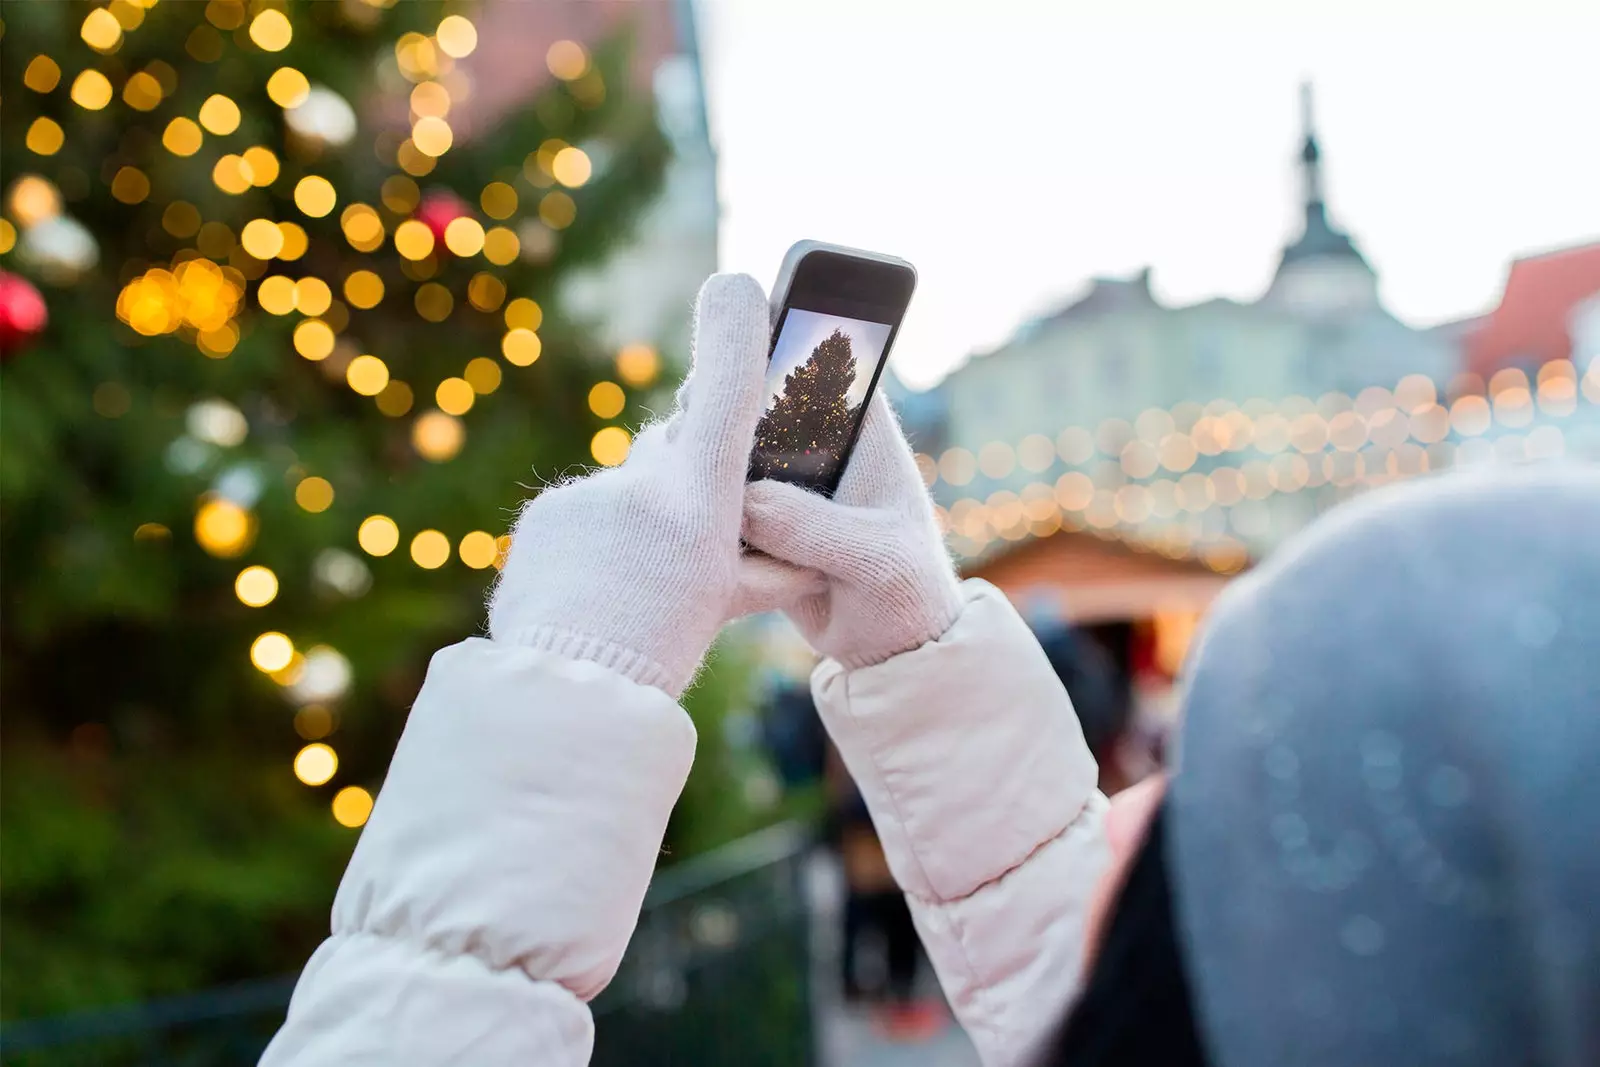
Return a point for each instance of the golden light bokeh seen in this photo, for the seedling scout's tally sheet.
(232, 174)
(524, 314)
(313, 339)
(412, 161)
(317, 763)
(130, 185)
(485, 291)
(45, 137)
(8, 236)
(295, 241)
(395, 400)
(520, 347)
(501, 246)
(415, 55)
(455, 396)
(313, 722)
(180, 218)
(312, 296)
(142, 92)
(434, 302)
(363, 289)
(571, 166)
(456, 36)
(413, 239)
(314, 195)
(557, 210)
(272, 651)
(314, 494)
(378, 535)
(478, 550)
(610, 446)
(101, 30)
(430, 550)
(91, 90)
(483, 374)
(33, 199)
(367, 375)
(271, 31)
(362, 227)
(638, 365)
(567, 60)
(498, 200)
(42, 75)
(464, 236)
(276, 294)
(400, 194)
(606, 399)
(430, 98)
(352, 806)
(182, 137)
(256, 586)
(432, 136)
(263, 165)
(288, 87)
(223, 528)
(219, 114)
(437, 437)
(261, 238)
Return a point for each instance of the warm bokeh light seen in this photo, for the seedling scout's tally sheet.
(271, 31)
(434, 302)
(182, 137)
(520, 347)
(413, 239)
(219, 114)
(501, 246)
(367, 375)
(437, 437)
(400, 194)
(256, 586)
(456, 36)
(524, 314)
(45, 137)
(571, 166)
(288, 87)
(395, 399)
(352, 806)
(316, 763)
(295, 241)
(130, 185)
(455, 396)
(91, 90)
(557, 210)
(483, 374)
(142, 92)
(315, 196)
(486, 292)
(272, 651)
(464, 236)
(263, 165)
(478, 550)
(432, 136)
(276, 295)
(313, 339)
(363, 289)
(313, 722)
(314, 494)
(261, 238)
(606, 399)
(232, 174)
(430, 98)
(312, 296)
(638, 365)
(33, 199)
(567, 60)
(610, 446)
(223, 528)
(498, 200)
(430, 550)
(42, 74)
(101, 30)
(362, 227)
(378, 535)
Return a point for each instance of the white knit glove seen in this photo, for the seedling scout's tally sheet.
(865, 576)
(637, 567)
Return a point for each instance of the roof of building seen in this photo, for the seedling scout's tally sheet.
(1320, 239)
(1531, 324)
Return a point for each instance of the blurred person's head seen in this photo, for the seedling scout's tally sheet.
(1382, 845)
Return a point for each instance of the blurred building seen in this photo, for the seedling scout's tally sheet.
(1547, 304)
(642, 292)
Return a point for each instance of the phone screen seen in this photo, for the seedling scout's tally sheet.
(828, 352)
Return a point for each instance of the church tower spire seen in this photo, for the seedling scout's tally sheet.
(1310, 157)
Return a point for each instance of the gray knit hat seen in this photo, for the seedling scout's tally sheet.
(1386, 825)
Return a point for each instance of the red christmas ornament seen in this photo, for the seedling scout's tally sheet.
(22, 314)
(438, 209)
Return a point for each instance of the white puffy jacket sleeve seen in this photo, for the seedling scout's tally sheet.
(970, 758)
(501, 873)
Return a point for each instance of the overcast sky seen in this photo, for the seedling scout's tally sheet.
(1013, 149)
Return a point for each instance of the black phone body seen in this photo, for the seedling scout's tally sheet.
(836, 311)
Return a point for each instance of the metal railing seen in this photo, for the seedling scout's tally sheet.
(716, 974)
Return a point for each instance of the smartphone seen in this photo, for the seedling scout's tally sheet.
(835, 315)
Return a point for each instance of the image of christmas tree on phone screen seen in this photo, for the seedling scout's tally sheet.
(816, 397)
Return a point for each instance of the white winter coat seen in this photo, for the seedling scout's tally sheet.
(497, 883)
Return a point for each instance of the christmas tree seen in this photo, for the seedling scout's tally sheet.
(806, 430)
(280, 355)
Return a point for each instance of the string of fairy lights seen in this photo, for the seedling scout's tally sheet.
(1138, 481)
(203, 294)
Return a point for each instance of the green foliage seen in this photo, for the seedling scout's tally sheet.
(155, 837)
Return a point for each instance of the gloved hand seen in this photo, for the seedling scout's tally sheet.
(637, 567)
(865, 576)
